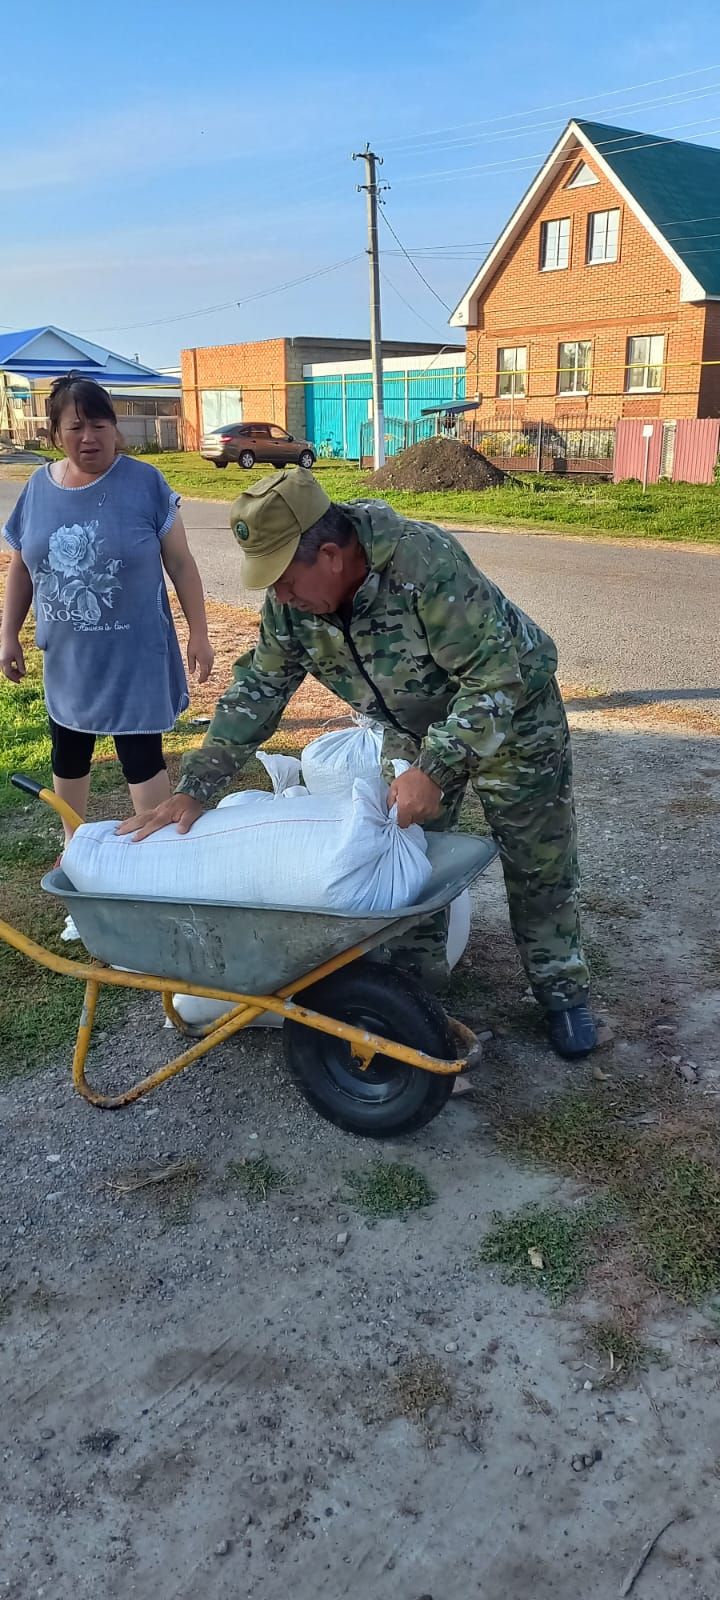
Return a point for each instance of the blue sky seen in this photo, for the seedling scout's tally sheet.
(164, 158)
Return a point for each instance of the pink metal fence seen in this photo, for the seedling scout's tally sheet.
(697, 442)
(638, 453)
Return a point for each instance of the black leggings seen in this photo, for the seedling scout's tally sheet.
(140, 754)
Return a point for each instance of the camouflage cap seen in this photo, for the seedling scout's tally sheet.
(269, 519)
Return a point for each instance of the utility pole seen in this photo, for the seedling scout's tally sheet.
(371, 191)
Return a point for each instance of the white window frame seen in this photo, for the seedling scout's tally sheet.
(582, 178)
(569, 374)
(650, 365)
(545, 227)
(515, 391)
(604, 260)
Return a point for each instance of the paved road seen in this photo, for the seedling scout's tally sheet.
(626, 618)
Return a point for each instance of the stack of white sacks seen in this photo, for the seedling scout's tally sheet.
(327, 842)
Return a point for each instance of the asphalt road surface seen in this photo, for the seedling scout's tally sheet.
(642, 620)
(639, 620)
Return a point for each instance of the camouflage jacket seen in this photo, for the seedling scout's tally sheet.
(433, 650)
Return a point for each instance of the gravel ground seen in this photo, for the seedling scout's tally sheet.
(204, 1395)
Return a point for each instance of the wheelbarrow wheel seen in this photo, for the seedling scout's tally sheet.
(388, 1097)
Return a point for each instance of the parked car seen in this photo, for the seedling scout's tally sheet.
(248, 442)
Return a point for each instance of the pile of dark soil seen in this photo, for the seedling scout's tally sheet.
(438, 464)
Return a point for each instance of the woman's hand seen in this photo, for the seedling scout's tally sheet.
(180, 808)
(416, 796)
(200, 656)
(12, 660)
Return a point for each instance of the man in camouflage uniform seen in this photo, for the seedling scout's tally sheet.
(393, 617)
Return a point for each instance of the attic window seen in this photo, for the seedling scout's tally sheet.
(582, 177)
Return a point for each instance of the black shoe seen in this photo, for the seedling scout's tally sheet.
(572, 1032)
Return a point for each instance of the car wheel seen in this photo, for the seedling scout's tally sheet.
(246, 459)
(307, 459)
(388, 1097)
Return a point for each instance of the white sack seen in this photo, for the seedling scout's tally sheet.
(331, 763)
(458, 928)
(286, 849)
(284, 775)
(198, 1012)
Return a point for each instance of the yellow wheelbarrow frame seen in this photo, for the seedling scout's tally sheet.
(245, 1008)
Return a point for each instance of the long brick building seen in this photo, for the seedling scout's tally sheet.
(601, 297)
(312, 386)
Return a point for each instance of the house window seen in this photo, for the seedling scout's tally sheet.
(555, 245)
(645, 357)
(582, 177)
(602, 236)
(574, 367)
(511, 371)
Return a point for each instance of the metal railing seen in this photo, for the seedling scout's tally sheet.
(399, 434)
(565, 444)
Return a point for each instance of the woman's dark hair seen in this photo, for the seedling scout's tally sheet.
(89, 399)
(333, 527)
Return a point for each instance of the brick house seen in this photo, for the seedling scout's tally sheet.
(264, 380)
(601, 298)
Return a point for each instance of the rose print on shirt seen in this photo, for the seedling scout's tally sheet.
(74, 582)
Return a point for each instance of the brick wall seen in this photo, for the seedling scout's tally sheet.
(604, 303)
(258, 369)
(269, 374)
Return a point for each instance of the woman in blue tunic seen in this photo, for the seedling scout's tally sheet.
(91, 537)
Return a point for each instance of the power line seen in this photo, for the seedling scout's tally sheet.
(529, 163)
(686, 97)
(413, 144)
(556, 105)
(227, 305)
(406, 303)
(413, 264)
(433, 249)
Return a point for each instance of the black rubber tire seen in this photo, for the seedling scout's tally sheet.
(306, 459)
(246, 459)
(389, 1098)
(221, 465)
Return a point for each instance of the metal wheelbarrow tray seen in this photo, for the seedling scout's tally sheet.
(253, 950)
(370, 1049)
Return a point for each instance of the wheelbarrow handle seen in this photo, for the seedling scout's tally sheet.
(39, 792)
(28, 785)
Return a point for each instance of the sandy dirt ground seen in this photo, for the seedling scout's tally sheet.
(205, 1395)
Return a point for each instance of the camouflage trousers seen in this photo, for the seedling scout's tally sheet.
(527, 797)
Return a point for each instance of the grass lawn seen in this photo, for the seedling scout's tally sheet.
(668, 511)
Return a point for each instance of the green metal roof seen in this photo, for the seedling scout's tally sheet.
(678, 187)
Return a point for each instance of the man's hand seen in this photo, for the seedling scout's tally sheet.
(200, 656)
(417, 797)
(12, 660)
(180, 808)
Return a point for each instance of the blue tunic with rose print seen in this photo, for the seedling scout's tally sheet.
(112, 662)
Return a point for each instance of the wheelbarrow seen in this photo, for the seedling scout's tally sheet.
(368, 1047)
